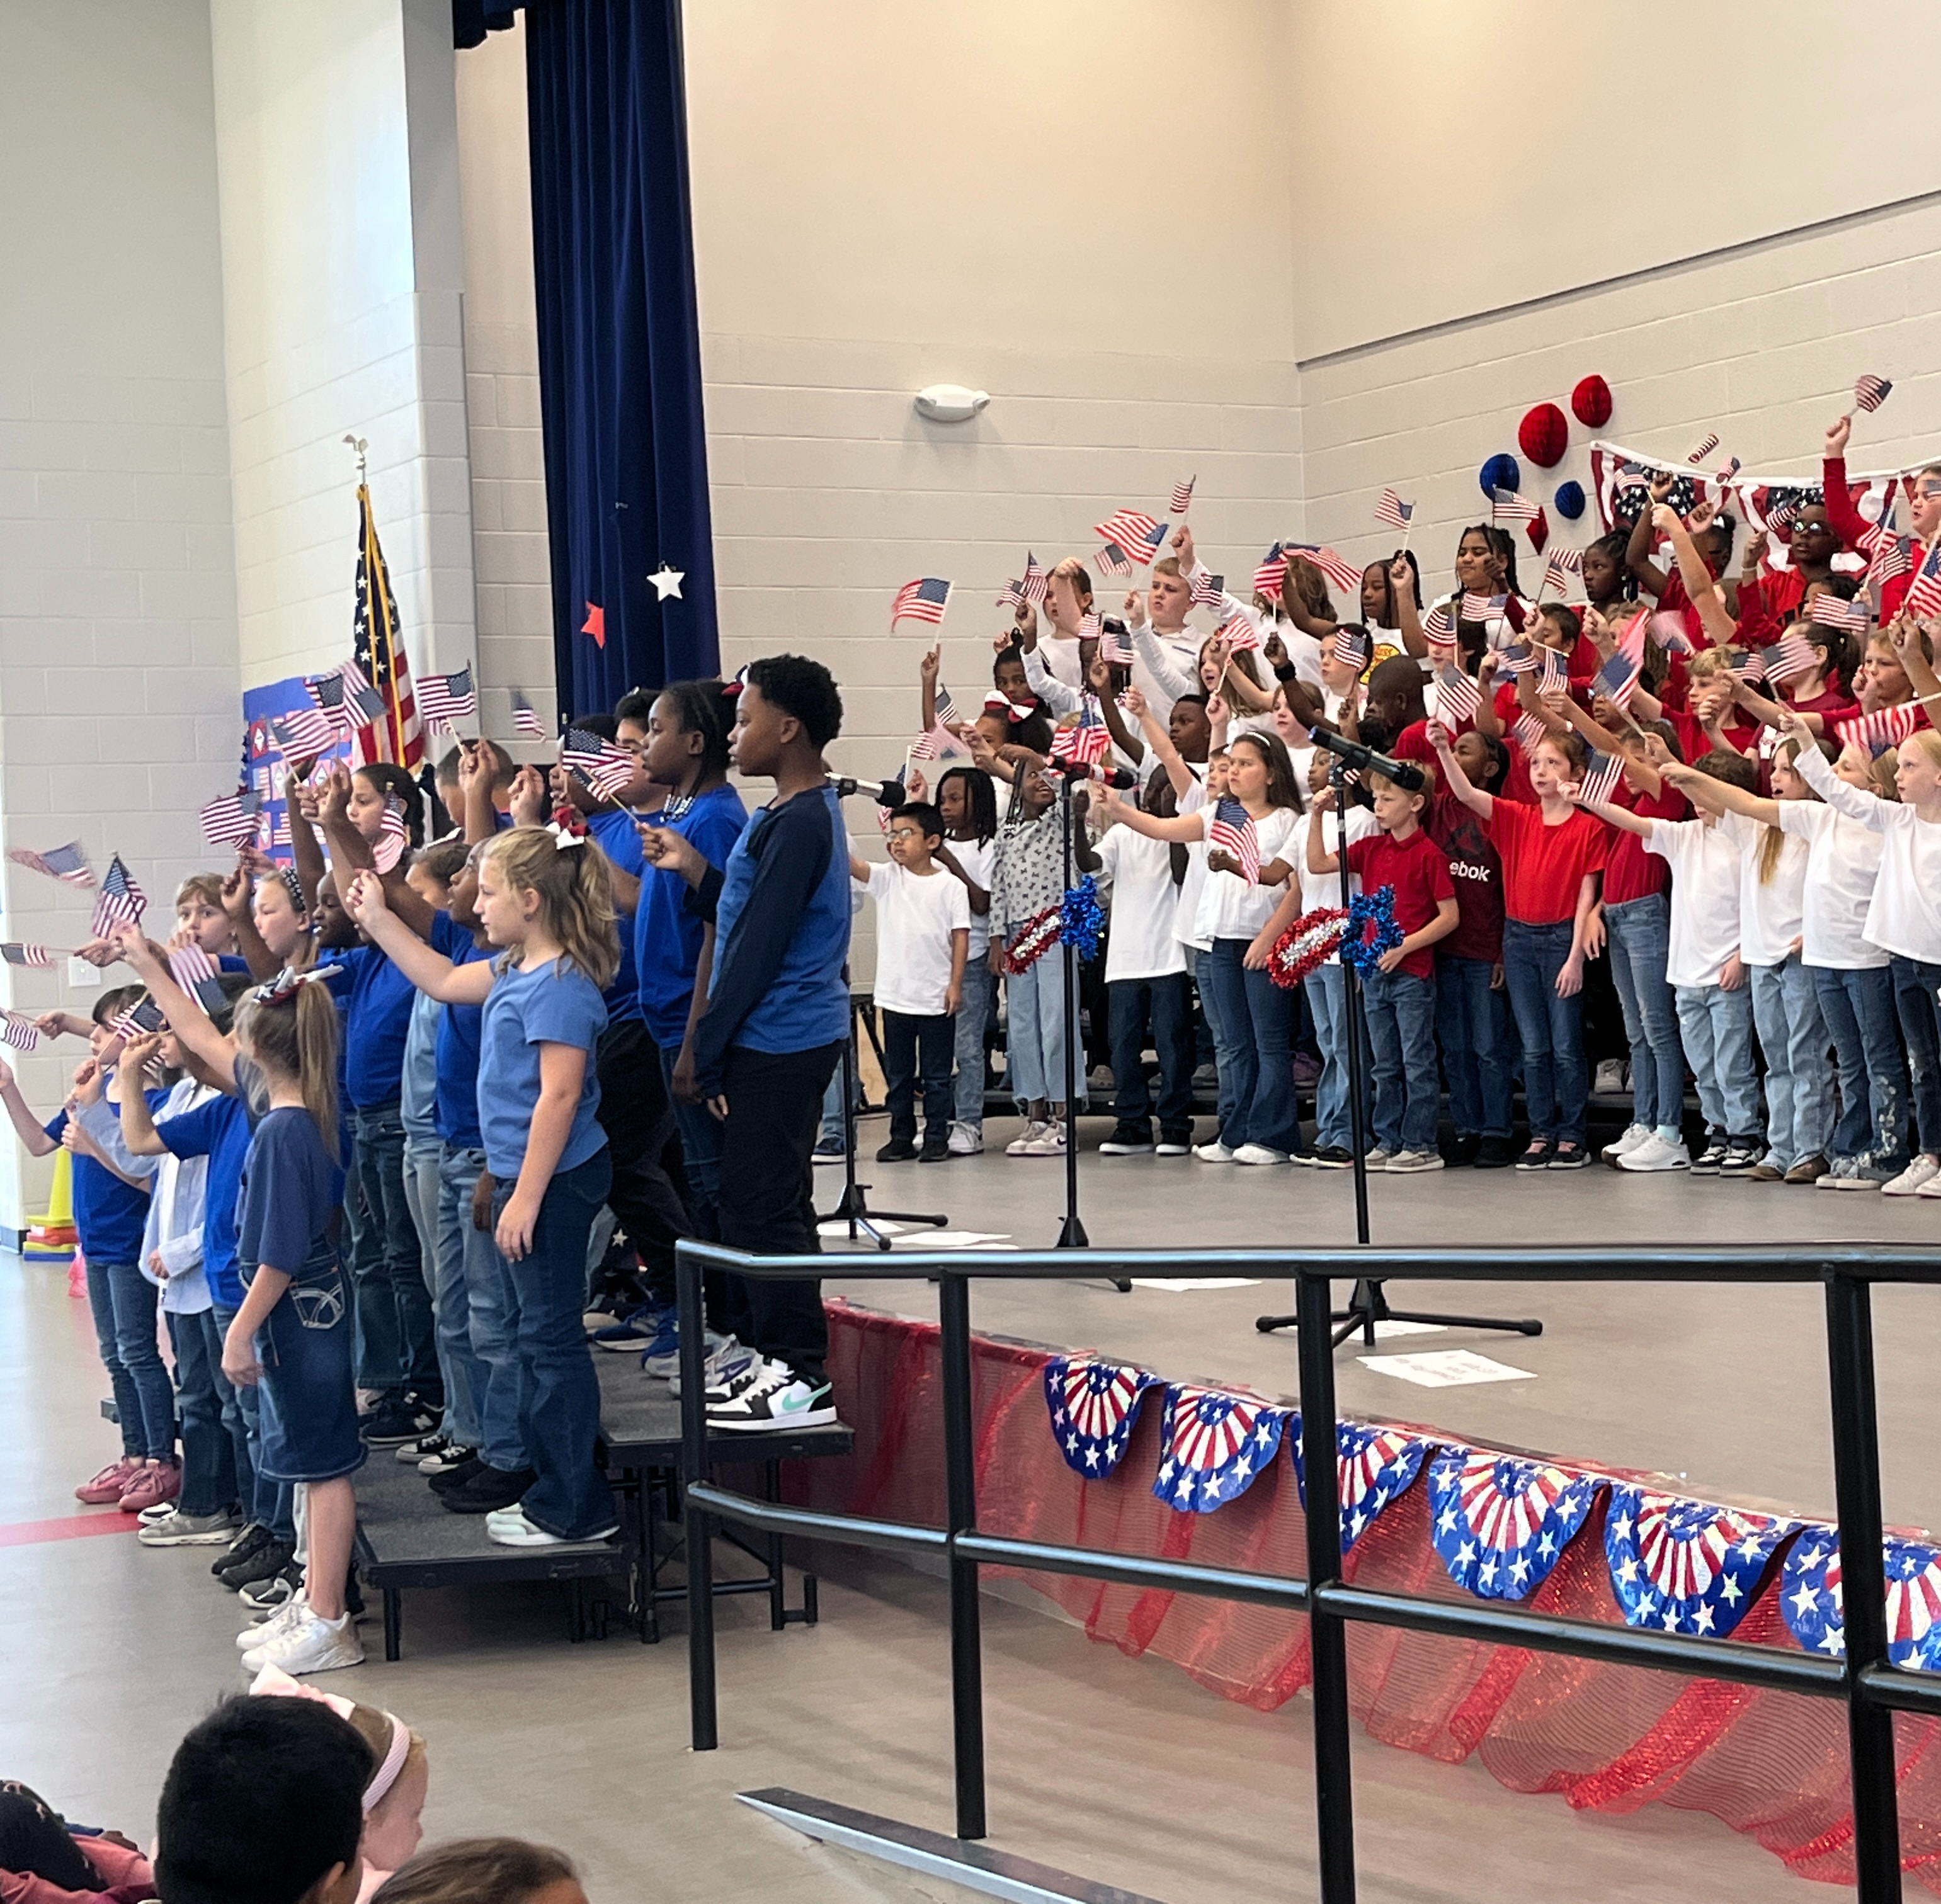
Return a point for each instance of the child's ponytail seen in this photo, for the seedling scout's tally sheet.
(295, 1035)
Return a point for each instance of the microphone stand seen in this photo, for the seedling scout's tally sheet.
(1367, 1304)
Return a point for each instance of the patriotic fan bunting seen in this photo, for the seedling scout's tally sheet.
(1095, 1407)
(1216, 1445)
(1499, 1524)
(1373, 1465)
(1811, 1600)
(1685, 1566)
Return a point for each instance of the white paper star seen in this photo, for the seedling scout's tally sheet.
(667, 582)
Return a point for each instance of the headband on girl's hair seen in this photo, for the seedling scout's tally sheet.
(286, 985)
(293, 887)
(1014, 711)
(740, 681)
(564, 837)
(273, 1682)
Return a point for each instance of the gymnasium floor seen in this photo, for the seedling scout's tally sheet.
(1121, 1770)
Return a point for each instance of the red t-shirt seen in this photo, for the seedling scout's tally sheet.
(1849, 526)
(1419, 872)
(1693, 740)
(1676, 600)
(1477, 869)
(1766, 604)
(1544, 866)
(1630, 872)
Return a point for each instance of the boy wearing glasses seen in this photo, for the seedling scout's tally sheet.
(923, 935)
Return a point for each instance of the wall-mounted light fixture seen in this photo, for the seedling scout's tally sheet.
(950, 403)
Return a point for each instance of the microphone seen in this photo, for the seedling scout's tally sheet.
(884, 793)
(1117, 777)
(1351, 753)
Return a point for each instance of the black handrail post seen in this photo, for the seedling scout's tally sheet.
(702, 1730)
(1856, 1494)
(960, 1476)
(1327, 1633)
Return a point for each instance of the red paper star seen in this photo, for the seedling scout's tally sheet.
(595, 624)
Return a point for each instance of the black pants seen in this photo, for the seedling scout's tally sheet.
(915, 1048)
(768, 1207)
(1166, 1003)
(638, 1120)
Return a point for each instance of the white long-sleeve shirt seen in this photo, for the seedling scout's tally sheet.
(174, 1228)
(1904, 915)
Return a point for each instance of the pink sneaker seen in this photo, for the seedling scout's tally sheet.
(148, 1486)
(110, 1484)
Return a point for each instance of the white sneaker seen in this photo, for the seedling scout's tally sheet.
(965, 1139)
(312, 1645)
(1259, 1154)
(285, 1616)
(1020, 1145)
(1172, 1147)
(1932, 1188)
(728, 1362)
(1216, 1152)
(1655, 1153)
(1378, 1159)
(1910, 1183)
(1050, 1142)
(508, 1528)
(1404, 1161)
(1634, 1136)
(781, 1399)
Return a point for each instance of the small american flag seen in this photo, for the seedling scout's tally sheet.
(1132, 530)
(195, 972)
(1239, 634)
(924, 747)
(1600, 778)
(18, 1031)
(1894, 556)
(1829, 611)
(230, 818)
(1667, 630)
(1035, 579)
(920, 601)
(1522, 657)
(1271, 572)
(1115, 646)
(603, 767)
(327, 699)
(122, 901)
(944, 708)
(1205, 589)
(1086, 743)
(1552, 672)
(393, 835)
(1012, 594)
(1231, 831)
(1870, 392)
(1484, 607)
(1391, 512)
(1557, 571)
(1747, 666)
(1182, 496)
(526, 717)
(306, 732)
(1089, 626)
(17, 954)
(1731, 469)
(1632, 476)
(68, 863)
(1457, 699)
(1337, 569)
(1875, 732)
(1113, 560)
(1923, 599)
(346, 695)
(1528, 731)
(1439, 626)
(1704, 447)
(445, 700)
(1505, 505)
(1617, 680)
(1350, 649)
(1789, 657)
(1781, 519)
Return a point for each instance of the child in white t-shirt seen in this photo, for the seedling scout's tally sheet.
(923, 934)
(1706, 974)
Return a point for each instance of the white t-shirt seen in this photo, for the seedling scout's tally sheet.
(1319, 890)
(1842, 858)
(1704, 863)
(1904, 915)
(976, 857)
(1142, 943)
(1770, 910)
(1059, 654)
(915, 918)
(1186, 914)
(1229, 907)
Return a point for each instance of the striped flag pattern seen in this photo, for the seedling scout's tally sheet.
(1439, 626)
(1505, 505)
(1350, 649)
(15, 953)
(526, 717)
(1271, 572)
(1923, 598)
(1792, 655)
(1483, 608)
(943, 707)
(1231, 831)
(1456, 698)
(1521, 657)
(1617, 680)
(1829, 611)
(1113, 560)
(1391, 512)
(306, 732)
(392, 837)
(1115, 645)
(445, 700)
(1600, 778)
(1889, 555)
(1339, 570)
(230, 819)
(924, 747)
(18, 1031)
(1704, 447)
(603, 767)
(1239, 634)
(920, 601)
(1131, 530)
(1182, 496)
(1205, 589)
(1875, 732)
(1745, 665)
(1086, 743)
(1528, 731)
(121, 900)
(1870, 392)
(68, 863)
(383, 672)
(1034, 581)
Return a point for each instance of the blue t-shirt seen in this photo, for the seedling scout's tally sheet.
(554, 1004)
(667, 939)
(380, 1015)
(219, 1131)
(621, 844)
(458, 1030)
(110, 1214)
(230, 962)
(288, 1201)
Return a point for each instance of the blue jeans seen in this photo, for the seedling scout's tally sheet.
(1555, 1083)
(1639, 933)
(268, 1503)
(1402, 1032)
(1716, 1027)
(1472, 1021)
(1917, 998)
(1167, 1004)
(123, 1302)
(1200, 964)
(490, 1306)
(1326, 988)
(559, 1394)
(1035, 1030)
(209, 1459)
(396, 1343)
(700, 1154)
(453, 1243)
(1792, 1034)
(1255, 1019)
(1858, 1006)
(974, 1011)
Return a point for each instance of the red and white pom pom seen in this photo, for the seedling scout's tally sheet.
(1310, 942)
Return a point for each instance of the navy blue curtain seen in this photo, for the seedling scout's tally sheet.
(626, 457)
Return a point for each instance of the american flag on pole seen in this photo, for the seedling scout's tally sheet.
(1087, 743)
(1113, 560)
(1563, 564)
(195, 972)
(1483, 608)
(943, 709)
(605, 767)
(1391, 512)
(1888, 555)
(68, 863)
(1456, 698)
(392, 837)
(1789, 657)
(378, 650)
(15, 953)
(1239, 634)
(1505, 505)
(306, 732)
(1271, 572)
(345, 695)
(1231, 831)
(920, 601)
(1704, 447)
(1923, 599)
(1553, 673)
(1035, 581)
(1350, 648)
(121, 900)
(1875, 732)
(1829, 611)
(1617, 680)
(1337, 569)
(1115, 645)
(1746, 666)
(1870, 392)
(1182, 496)
(18, 1031)
(1132, 530)
(924, 747)
(445, 700)
(1528, 731)
(1205, 589)
(230, 819)
(526, 717)
(1439, 626)
(1522, 657)
(1600, 778)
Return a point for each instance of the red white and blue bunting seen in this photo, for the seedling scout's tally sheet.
(1810, 1598)
(1095, 1406)
(1500, 1525)
(1216, 1445)
(1373, 1465)
(1685, 1566)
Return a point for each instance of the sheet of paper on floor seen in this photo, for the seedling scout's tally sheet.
(1387, 1329)
(1177, 1283)
(839, 1226)
(1444, 1369)
(956, 1239)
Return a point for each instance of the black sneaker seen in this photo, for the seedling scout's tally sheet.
(1127, 1140)
(270, 1559)
(1462, 1151)
(1709, 1160)
(1568, 1157)
(1741, 1158)
(935, 1150)
(399, 1422)
(443, 1484)
(423, 1448)
(898, 1150)
(273, 1590)
(245, 1547)
(1495, 1154)
(448, 1460)
(1537, 1157)
(1332, 1157)
(488, 1489)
